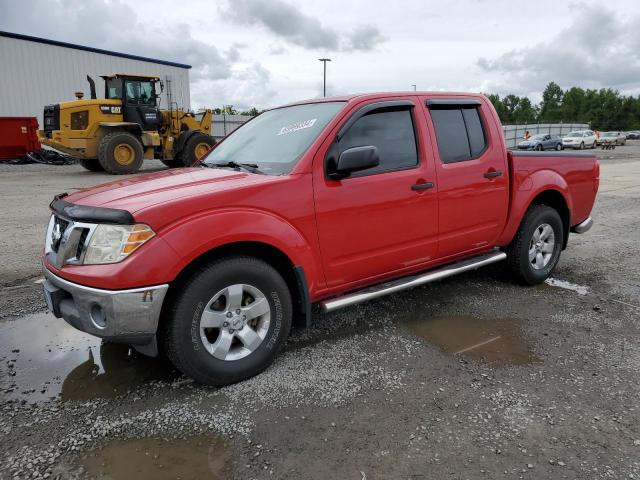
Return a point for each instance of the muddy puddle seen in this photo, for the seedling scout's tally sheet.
(41, 357)
(498, 341)
(157, 459)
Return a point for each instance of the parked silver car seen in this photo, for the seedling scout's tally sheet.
(617, 138)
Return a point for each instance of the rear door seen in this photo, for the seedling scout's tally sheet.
(384, 219)
(471, 171)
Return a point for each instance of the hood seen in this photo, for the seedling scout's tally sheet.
(142, 191)
(526, 143)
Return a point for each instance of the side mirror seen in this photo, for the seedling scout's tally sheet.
(355, 159)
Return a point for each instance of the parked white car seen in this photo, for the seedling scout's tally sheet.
(579, 139)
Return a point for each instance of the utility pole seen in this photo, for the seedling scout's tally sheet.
(414, 87)
(324, 77)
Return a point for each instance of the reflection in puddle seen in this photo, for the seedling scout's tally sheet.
(42, 357)
(494, 341)
(150, 458)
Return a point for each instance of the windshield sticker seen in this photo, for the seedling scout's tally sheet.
(294, 127)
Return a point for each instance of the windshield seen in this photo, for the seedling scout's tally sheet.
(275, 140)
(140, 92)
(574, 134)
(537, 137)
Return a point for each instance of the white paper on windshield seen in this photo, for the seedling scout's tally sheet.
(294, 127)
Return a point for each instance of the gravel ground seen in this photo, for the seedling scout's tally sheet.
(389, 389)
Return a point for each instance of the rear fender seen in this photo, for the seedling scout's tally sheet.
(525, 188)
(200, 234)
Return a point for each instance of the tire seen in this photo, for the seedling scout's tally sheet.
(582, 146)
(195, 148)
(91, 164)
(522, 267)
(539, 148)
(171, 163)
(120, 153)
(191, 347)
(559, 147)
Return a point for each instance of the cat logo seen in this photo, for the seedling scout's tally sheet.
(111, 109)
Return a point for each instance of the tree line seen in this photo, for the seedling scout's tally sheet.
(603, 109)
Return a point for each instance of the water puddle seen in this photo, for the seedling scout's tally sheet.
(42, 357)
(157, 459)
(579, 289)
(492, 341)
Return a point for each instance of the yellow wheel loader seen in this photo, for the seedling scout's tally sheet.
(117, 133)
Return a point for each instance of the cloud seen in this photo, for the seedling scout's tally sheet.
(102, 23)
(248, 87)
(289, 23)
(364, 38)
(599, 49)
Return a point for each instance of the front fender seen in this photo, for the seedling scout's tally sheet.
(525, 188)
(199, 234)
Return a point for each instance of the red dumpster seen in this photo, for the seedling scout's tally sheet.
(18, 135)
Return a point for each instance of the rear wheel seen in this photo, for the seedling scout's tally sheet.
(559, 147)
(535, 251)
(194, 150)
(120, 153)
(582, 146)
(91, 164)
(229, 321)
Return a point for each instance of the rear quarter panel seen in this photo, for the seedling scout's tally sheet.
(532, 173)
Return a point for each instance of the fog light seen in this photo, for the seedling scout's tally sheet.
(98, 316)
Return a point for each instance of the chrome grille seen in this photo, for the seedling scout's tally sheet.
(67, 241)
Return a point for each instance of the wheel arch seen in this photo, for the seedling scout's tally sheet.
(544, 187)
(555, 199)
(293, 275)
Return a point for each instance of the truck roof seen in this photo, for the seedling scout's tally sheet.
(374, 95)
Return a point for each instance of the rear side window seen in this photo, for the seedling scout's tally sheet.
(391, 132)
(459, 132)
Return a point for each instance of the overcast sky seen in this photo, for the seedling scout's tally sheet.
(264, 52)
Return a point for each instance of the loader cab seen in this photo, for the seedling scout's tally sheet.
(139, 98)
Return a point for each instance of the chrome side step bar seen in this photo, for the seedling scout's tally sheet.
(388, 288)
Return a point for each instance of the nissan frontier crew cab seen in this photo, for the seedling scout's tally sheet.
(331, 202)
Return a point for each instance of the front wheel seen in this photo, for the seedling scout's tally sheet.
(229, 321)
(539, 148)
(120, 153)
(535, 251)
(582, 146)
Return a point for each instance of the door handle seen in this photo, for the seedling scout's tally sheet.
(492, 174)
(422, 186)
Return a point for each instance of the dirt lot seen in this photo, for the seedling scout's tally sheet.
(472, 377)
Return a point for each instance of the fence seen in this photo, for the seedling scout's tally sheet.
(223, 125)
(514, 134)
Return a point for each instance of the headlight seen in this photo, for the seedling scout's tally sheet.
(113, 243)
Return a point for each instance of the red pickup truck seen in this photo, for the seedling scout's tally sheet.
(331, 202)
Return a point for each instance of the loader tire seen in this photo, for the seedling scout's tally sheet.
(120, 153)
(91, 164)
(195, 148)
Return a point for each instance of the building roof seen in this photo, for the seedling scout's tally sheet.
(46, 41)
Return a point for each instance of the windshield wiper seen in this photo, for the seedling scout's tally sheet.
(250, 167)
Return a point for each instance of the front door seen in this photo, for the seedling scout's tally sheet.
(472, 176)
(384, 219)
(140, 104)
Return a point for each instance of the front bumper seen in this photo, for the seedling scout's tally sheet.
(123, 316)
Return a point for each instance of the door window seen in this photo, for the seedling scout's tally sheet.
(459, 132)
(391, 132)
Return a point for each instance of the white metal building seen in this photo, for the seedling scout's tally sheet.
(38, 72)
